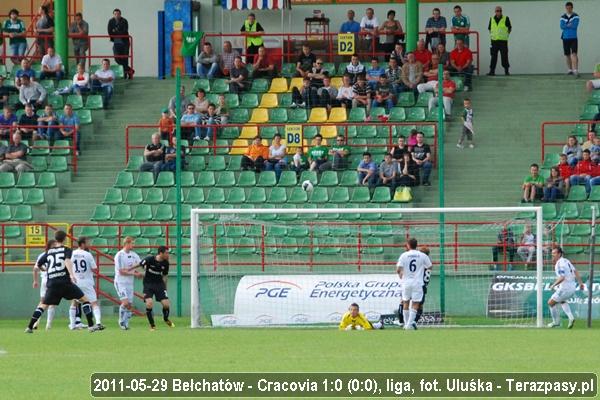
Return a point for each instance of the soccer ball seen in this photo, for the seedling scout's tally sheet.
(307, 186)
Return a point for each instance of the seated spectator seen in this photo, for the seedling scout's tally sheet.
(595, 149)
(8, 123)
(306, 60)
(555, 186)
(573, 150)
(436, 29)
(317, 73)
(591, 135)
(345, 93)
(367, 171)
(318, 155)
(306, 97)
(362, 94)
(350, 26)
(408, 171)
(390, 32)
(533, 185)
(81, 82)
(340, 153)
(277, 160)
(394, 74)
(443, 55)
(412, 74)
(27, 124)
(383, 94)
(155, 155)
(208, 120)
(430, 76)
(52, 66)
(327, 94)
(397, 151)
(373, 73)
(565, 171)
(45, 122)
(262, 67)
(15, 156)
(422, 54)
(526, 249)
(166, 125)
(412, 139)
(255, 156)
(505, 245)
(594, 83)
(584, 171)
(299, 162)
(387, 173)
(223, 109)
(24, 70)
(227, 58)
(238, 76)
(354, 69)
(31, 92)
(201, 102)
(69, 123)
(190, 122)
(170, 161)
(461, 63)
(5, 92)
(399, 54)
(208, 62)
(185, 102)
(421, 154)
(103, 80)
(448, 89)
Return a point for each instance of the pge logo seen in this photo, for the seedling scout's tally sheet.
(228, 320)
(334, 317)
(273, 289)
(300, 319)
(264, 319)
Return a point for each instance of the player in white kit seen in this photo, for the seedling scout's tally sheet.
(412, 267)
(124, 276)
(42, 285)
(565, 285)
(83, 267)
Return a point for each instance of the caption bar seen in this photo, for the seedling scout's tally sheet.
(374, 385)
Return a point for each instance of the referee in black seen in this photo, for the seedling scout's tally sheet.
(155, 284)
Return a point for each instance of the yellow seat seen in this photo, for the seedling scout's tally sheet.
(318, 115)
(278, 85)
(259, 116)
(337, 114)
(337, 82)
(249, 132)
(328, 131)
(296, 82)
(238, 147)
(269, 100)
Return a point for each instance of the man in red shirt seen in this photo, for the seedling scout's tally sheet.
(565, 170)
(584, 170)
(423, 55)
(448, 88)
(461, 62)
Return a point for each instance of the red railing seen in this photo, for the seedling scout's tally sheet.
(551, 142)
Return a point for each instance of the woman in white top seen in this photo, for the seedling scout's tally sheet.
(201, 102)
(526, 249)
(345, 92)
(81, 82)
(277, 156)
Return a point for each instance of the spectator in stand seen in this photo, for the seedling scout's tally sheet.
(166, 125)
(208, 62)
(306, 60)
(15, 157)
(345, 92)
(367, 171)
(526, 248)
(27, 124)
(461, 63)
(394, 74)
(45, 122)
(31, 92)
(399, 54)
(533, 185)
(431, 76)
(318, 155)
(211, 118)
(398, 150)
(422, 54)
(368, 28)
(505, 244)
(565, 171)
(118, 29)
(24, 70)
(52, 66)
(362, 94)
(500, 28)
(448, 89)
(223, 109)
(306, 97)
(467, 131)
(299, 162)
(436, 29)
(263, 67)
(238, 76)
(555, 186)
(408, 171)
(277, 160)
(390, 33)
(595, 149)
(340, 153)
(387, 173)
(44, 30)
(412, 74)
(227, 58)
(255, 156)
(373, 73)
(8, 122)
(461, 25)
(412, 139)
(350, 26)
(14, 28)
(573, 150)
(79, 30)
(251, 29)
(170, 161)
(421, 155)
(185, 102)
(589, 142)
(81, 82)
(443, 55)
(190, 122)
(201, 102)
(5, 92)
(155, 155)
(316, 74)
(584, 171)
(327, 94)
(69, 123)
(103, 80)
(383, 94)
(569, 22)
(355, 69)
(594, 83)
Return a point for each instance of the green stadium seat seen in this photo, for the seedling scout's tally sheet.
(40, 148)
(595, 97)
(309, 176)
(595, 194)
(58, 164)
(22, 213)
(319, 195)
(215, 196)
(257, 195)
(349, 178)
(61, 148)
(372, 246)
(357, 114)
(118, 70)
(13, 196)
(165, 179)
(64, 84)
(56, 101)
(589, 111)
(205, 179)
(574, 245)
(94, 102)
(48, 84)
(75, 100)
(194, 195)
(376, 112)
(428, 130)
(278, 195)
(329, 178)
(586, 210)
(236, 195)
(124, 179)
(85, 116)
(89, 231)
(164, 212)
(187, 179)
(5, 214)
(196, 163)
(216, 163)
(144, 179)
(285, 100)
(122, 212)
(113, 196)
(154, 195)
(278, 116)
(222, 146)
(378, 147)
(366, 131)
(329, 246)
(219, 86)
(550, 160)
(229, 132)
(360, 194)
(201, 83)
(259, 86)
(298, 195)
(549, 211)
(267, 132)
(249, 100)
(143, 213)
(341, 195)
(266, 179)
(152, 231)
(35, 197)
(406, 99)
(239, 115)
(416, 114)
(577, 193)
(39, 164)
(569, 211)
(109, 231)
(235, 163)
(26, 180)
(245, 246)
(131, 230)
(288, 70)
(397, 114)
(581, 230)
(297, 115)
(287, 217)
(134, 163)
(226, 179)
(381, 195)
(101, 213)
(171, 196)
(46, 180)
(423, 100)
(287, 179)
(247, 179)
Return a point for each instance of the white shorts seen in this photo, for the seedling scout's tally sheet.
(563, 294)
(412, 291)
(89, 291)
(595, 83)
(43, 285)
(124, 291)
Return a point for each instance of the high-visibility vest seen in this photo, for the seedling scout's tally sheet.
(498, 30)
(252, 40)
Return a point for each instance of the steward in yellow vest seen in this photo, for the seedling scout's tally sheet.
(500, 28)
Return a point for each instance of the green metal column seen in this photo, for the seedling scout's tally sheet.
(61, 31)
(178, 184)
(442, 200)
(412, 24)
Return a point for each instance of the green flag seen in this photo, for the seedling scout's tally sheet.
(190, 43)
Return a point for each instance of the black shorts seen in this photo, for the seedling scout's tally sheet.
(55, 293)
(156, 290)
(570, 46)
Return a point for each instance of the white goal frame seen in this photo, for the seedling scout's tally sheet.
(195, 212)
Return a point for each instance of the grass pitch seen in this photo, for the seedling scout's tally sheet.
(57, 364)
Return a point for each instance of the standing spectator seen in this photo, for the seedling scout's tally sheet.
(505, 244)
(251, 29)
(263, 67)
(387, 173)
(468, 131)
(15, 157)
(533, 185)
(327, 94)
(408, 171)
(81, 82)
(569, 22)
(422, 54)
(390, 33)
(383, 94)
(238, 76)
(594, 83)
(52, 65)
(24, 70)
(436, 30)
(103, 80)
(306, 60)
(584, 171)
(350, 26)
(201, 102)
(155, 155)
(185, 102)
(399, 54)
(461, 63)
(317, 73)
(555, 186)
(399, 149)
(208, 62)
(8, 122)
(412, 74)
(526, 248)
(573, 150)
(340, 152)
(277, 160)
(355, 69)
(448, 89)
(362, 94)
(255, 156)
(166, 126)
(431, 76)
(367, 171)
(421, 154)
(45, 122)
(500, 29)
(368, 28)
(227, 58)
(317, 156)
(15, 29)
(394, 74)
(31, 92)
(345, 92)
(27, 123)
(44, 30)
(79, 30)
(461, 25)
(210, 119)
(304, 97)
(190, 122)
(118, 29)
(299, 162)
(373, 73)
(443, 55)
(69, 123)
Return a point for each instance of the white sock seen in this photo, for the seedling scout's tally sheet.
(97, 316)
(412, 317)
(72, 312)
(127, 316)
(50, 317)
(555, 314)
(121, 314)
(405, 315)
(567, 309)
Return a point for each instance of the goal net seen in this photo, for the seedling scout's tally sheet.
(305, 266)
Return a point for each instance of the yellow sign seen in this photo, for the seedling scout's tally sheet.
(293, 136)
(346, 44)
(35, 236)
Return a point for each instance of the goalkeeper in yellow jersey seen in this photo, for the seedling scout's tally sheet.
(355, 320)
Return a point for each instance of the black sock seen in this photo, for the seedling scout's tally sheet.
(36, 315)
(150, 316)
(166, 311)
(87, 310)
(400, 315)
(419, 313)
(77, 312)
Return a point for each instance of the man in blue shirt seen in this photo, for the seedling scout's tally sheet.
(367, 171)
(373, 73)
(350, 26)
(69, 122)
(569, 22)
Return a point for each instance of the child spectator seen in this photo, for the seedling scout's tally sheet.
(299, 161)
(362, 94)
(412, 139)
(468, 130)
(222, 109)
(383, 94)
(210, 118)
(346, 92)
(555, 186)
(565, 171)
(532, 185)
(166, 126)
